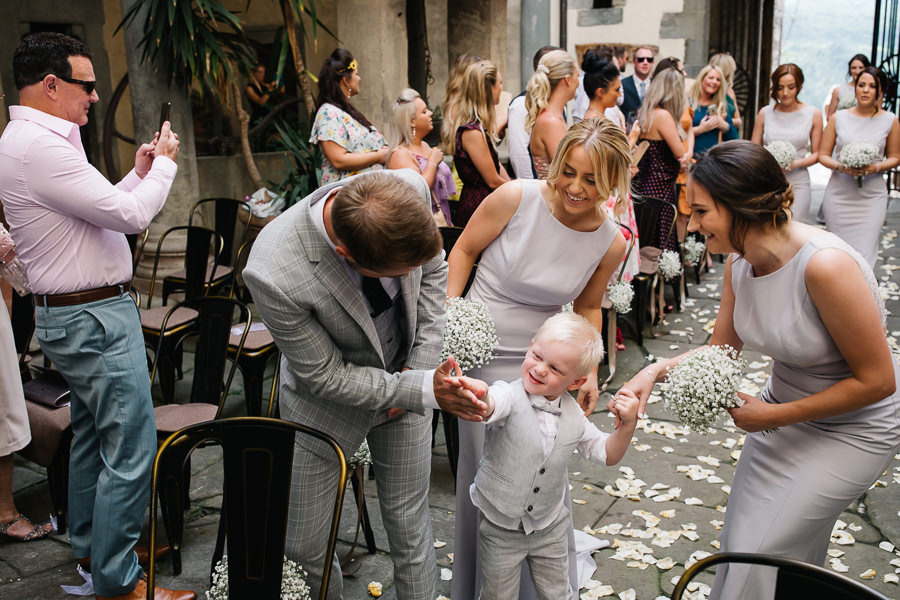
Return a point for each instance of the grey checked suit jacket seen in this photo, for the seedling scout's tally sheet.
(333, 374)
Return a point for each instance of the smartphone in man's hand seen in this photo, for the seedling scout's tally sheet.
(164, 114)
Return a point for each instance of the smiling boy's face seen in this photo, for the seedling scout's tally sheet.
(551, 367)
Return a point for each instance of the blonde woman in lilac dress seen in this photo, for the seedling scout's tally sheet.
(543, 243)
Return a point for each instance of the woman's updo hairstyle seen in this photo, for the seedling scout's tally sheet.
(553, 67)
(338, 66)
(607, 148)
(782, 70)
(745, 179)
(600, 70)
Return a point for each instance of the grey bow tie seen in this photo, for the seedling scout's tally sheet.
(544, 405)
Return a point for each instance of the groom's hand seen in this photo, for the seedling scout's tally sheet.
(454, 399)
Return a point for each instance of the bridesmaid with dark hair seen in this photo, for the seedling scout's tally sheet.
(855, 201)
(844, 95)
(791, 121)
(350, 143)
(827, 423)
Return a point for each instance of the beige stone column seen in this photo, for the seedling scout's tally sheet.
(375, 32)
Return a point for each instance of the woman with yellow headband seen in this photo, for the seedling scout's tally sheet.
(350, 143)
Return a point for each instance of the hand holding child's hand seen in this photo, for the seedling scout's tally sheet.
(625, 406)
(478, 388)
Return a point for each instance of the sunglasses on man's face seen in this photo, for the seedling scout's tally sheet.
(88, 86)
(648, 59)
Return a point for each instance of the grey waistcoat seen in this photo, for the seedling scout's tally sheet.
(514, 479)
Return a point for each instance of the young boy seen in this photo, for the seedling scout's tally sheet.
(532, 429)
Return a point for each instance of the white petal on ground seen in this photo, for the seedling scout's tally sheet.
(446, 574)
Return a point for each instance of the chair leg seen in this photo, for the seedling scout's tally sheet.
(451, 435)
(356, 479)
(435, 417)
(171, 495)
(58, 482)
(253, 373)
(611, 350)
(165, 367)
(641, 291)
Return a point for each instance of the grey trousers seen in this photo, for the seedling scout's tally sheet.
(401, 454)
(502, 552)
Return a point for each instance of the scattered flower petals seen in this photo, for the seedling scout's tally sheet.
(867, 574)
(375, 589)
(439, 543)
(446, 574)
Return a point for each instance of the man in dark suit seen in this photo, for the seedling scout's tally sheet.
(635, 86)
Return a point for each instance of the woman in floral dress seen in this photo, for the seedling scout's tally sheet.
(350, 143)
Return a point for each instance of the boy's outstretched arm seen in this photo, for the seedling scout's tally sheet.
(478, 387)
(625, 406)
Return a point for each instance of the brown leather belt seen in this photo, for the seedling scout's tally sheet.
(84, 297)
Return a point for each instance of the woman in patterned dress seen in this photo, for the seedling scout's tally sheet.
(350, 143)
(474, 154)
(660, 121)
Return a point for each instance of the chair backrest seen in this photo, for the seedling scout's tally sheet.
(240, 288)
(449, 235)
(201, 244)
(257, 457)
(795, 579)
(628, 251)
(211, 330)
(648, 212)
(230, 218)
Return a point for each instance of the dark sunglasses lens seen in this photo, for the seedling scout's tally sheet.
(89, 87)
(645, 59)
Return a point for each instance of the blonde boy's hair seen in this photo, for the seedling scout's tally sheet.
(572, 328)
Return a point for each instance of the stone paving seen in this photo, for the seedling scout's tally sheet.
(660, 508)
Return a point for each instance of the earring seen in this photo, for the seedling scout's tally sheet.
(414, 130)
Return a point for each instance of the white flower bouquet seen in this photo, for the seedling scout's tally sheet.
(692, 249)
(857, 155)
(471, 335)
(669, 265)
(702, 385)
(360, 458)
(784, 152)
(293, 582)
(621, 294)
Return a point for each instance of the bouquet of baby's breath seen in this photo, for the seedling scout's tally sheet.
(702, 385)
(470, 336)
(621, 293)
(784, 153)
(857, 155)
(293, 582)
(360, 458)
(692, 249)
(669, 265)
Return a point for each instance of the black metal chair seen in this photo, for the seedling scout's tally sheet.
(259, 348)
(794, 579)
(202, 247)
(257, 463)
(612, 317)
(230, 219)
(210, 384)
(648, 291)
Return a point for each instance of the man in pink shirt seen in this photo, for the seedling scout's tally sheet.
(68, 223)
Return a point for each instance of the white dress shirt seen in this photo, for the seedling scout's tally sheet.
(66, 218)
